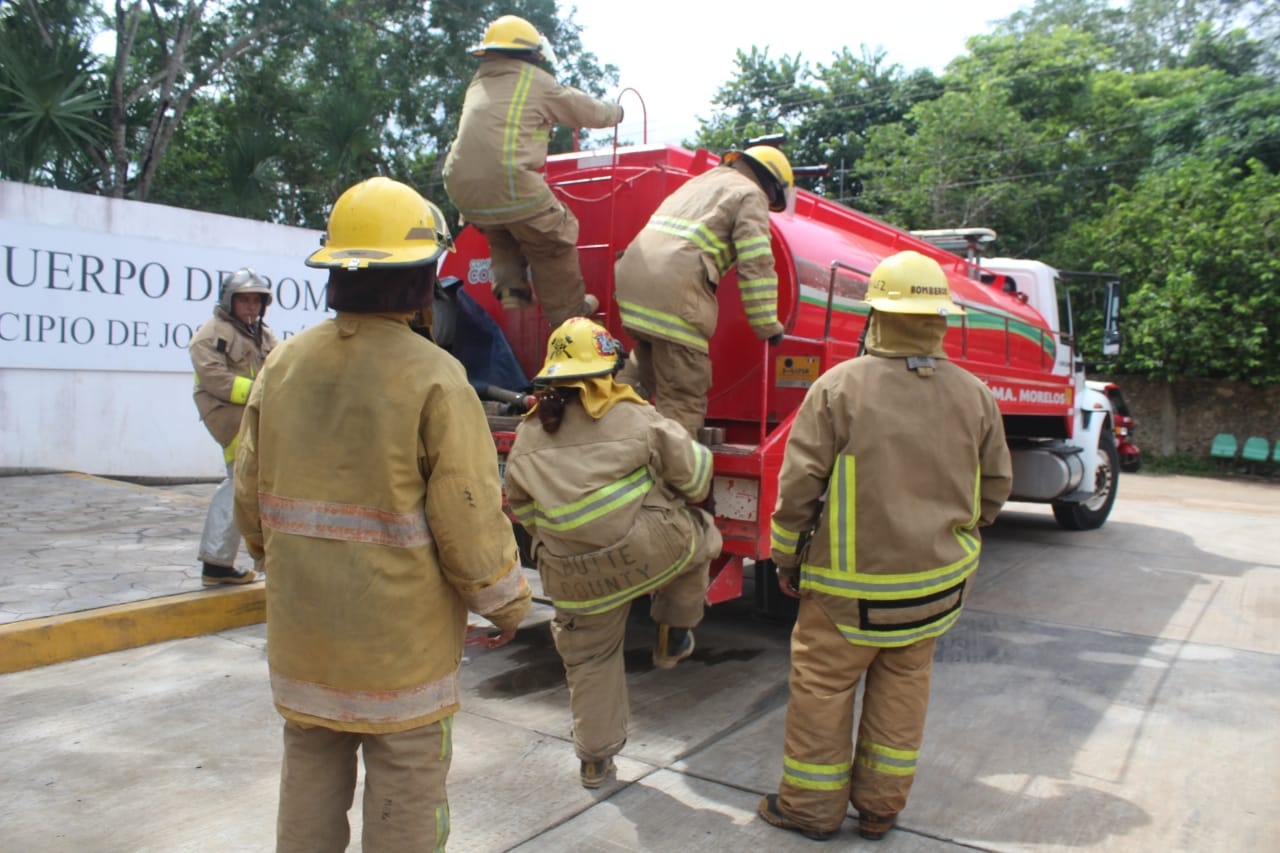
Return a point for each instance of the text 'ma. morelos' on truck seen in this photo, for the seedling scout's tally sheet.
(1016, 336)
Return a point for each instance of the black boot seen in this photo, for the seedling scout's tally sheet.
(215, 575)
(673, 646)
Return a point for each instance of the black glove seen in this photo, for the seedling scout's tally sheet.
(775, 340)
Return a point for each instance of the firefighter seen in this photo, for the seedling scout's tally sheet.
(366, 480)
(603, 484)
(894, 462)
(666, 279)
(492, 172)
(227, 352)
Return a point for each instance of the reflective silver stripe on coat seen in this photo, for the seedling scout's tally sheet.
(365, 706)
(498, 594)
(701, 471)
(344, 522)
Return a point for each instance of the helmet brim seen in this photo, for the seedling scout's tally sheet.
(327, 258)
(936, 309)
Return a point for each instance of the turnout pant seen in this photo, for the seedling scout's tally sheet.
(591, 646)
(406, 806)
(547, 244)
(220, 540)
(824, 771)
(675, 377)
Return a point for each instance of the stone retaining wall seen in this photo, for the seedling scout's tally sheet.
(1184, 416)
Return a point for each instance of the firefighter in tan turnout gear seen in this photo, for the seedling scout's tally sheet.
(492, 172)
(894, 462)
(603, 483)
(367, 480)
(227, 352)
(666, 279)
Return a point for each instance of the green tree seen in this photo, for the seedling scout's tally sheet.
(51, 98)
(1196, 244)
(372, 88)
(826, 112)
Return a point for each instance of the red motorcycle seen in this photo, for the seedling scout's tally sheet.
(1130, 453)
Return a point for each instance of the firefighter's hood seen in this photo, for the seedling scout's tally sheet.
(902, 335)
(599, 394)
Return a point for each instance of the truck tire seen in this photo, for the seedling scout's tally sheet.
(1092, 514)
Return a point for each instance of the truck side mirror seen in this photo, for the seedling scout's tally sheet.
(1111, 320)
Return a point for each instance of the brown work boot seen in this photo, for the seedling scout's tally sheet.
(771, 813)
(874, 826)
(593, 774)
(215, 575)
(673, 646)
(514, 300)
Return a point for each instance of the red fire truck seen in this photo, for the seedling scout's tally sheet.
(1014, 337)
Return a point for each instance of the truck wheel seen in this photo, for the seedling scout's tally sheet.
(1092, 514)
(769, 603)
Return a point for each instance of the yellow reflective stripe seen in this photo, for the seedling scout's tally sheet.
(240, 389)
(698, 234)
(595, 505)
(886, 759)
(844, 505)
(524, 513)
(842, 577)
(891, 639)
(701, 471)
(815, 777)
(501, 592)
(343, 522)
(376, 706)
(887, 587)
(511, 135)
(753, 247)
(663, 325)
(446, 737)
(229, 452)
(765, 286)
(608, 602)
(442, 828)
(783, 540)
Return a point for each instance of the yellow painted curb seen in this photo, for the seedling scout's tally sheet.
(71, 636)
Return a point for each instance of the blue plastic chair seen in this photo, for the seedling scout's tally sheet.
(1224, 446)
(1223, 449)
(1255, 453)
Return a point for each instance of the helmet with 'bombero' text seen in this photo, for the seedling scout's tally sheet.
(910, 283)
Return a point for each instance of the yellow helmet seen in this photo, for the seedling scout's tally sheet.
(510, 32)
(774, 170)
(579, 348)
(910, 283)
(382, 223)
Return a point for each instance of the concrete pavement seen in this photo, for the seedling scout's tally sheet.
(1109, 690)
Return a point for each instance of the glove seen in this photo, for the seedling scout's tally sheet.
(775, 340)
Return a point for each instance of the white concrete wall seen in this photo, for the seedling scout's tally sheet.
(98, 299)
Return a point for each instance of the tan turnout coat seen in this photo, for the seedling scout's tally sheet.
(667, 278)
(605, 503)
(894, 473)
(368, 477)
(492, 170)
(222, 352)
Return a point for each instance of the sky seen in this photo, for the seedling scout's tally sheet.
(677, 53)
